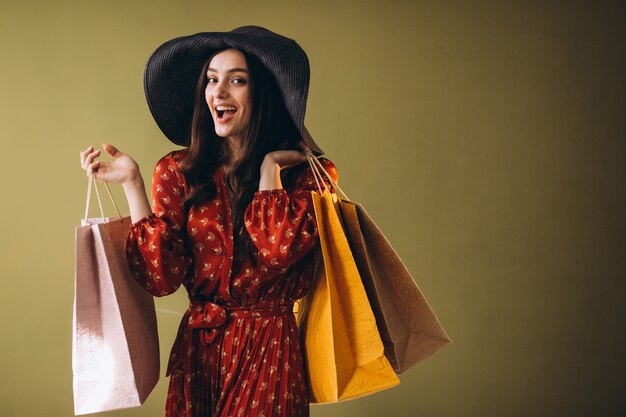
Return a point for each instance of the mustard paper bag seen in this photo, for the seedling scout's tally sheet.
(344, 353)
(408, 326)
(115, 346)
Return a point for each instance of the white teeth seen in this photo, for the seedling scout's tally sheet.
(222, 108)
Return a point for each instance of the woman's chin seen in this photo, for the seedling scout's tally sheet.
(222, 133)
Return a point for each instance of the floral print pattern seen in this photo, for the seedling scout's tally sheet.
(237, 351)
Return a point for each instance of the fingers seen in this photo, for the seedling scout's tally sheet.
(83, 155)
(93, 168)
(111, 150)
(295, 159)
(301, 158)
(87, 156)
(289, 158)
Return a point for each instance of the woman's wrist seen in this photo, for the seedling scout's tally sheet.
(137, 199)
(135, 182)
(270, 175)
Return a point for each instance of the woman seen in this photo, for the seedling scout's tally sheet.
(232, 218)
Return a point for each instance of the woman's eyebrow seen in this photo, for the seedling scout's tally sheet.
(230, 70)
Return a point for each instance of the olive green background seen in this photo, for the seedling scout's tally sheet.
(485, 138)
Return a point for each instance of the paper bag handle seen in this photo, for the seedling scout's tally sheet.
(316, 166)
(93, 180)
(316, 174)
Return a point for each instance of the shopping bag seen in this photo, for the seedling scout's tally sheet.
(115, 347)
(407, 324)
(343, 351)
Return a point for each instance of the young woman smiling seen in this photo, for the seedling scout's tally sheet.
(231, 218)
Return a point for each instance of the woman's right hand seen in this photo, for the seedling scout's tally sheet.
(123, 169)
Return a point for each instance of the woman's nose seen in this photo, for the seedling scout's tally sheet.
(219, 90)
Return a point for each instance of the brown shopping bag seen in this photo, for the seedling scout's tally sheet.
(115, 347)
(408, 326)
(343, 351)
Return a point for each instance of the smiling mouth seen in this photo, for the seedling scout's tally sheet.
(221, 114)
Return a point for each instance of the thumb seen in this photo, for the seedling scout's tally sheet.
(111, 150)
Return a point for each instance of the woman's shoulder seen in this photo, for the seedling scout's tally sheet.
(303, 175)
(177, 155)
(172, 159)
(330, 167)
(170, 162)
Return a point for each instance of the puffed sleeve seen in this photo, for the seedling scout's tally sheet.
(282, 224)
(155, 248)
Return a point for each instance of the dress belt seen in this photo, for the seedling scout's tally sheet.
(209, 318)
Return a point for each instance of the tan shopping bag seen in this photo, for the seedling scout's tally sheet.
(408, 326)
(344, 354)
(115, 347)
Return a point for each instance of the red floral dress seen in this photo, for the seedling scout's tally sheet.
(237, 352)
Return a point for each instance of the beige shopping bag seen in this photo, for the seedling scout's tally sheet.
(115, 347)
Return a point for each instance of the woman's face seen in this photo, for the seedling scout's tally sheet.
(228, 93)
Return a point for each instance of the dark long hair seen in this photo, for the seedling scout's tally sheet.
(269, 126)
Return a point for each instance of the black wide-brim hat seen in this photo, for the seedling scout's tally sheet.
(172, 72)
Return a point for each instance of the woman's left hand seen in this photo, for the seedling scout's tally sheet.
(277, 160)
(286, 158)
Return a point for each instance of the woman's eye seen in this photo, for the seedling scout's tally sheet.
(213, 80)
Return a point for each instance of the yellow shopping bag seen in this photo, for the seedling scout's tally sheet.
(408, 326)
(343, 350)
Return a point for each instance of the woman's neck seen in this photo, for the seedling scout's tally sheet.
(234, 153)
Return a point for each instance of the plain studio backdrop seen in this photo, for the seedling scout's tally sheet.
(485, 138)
